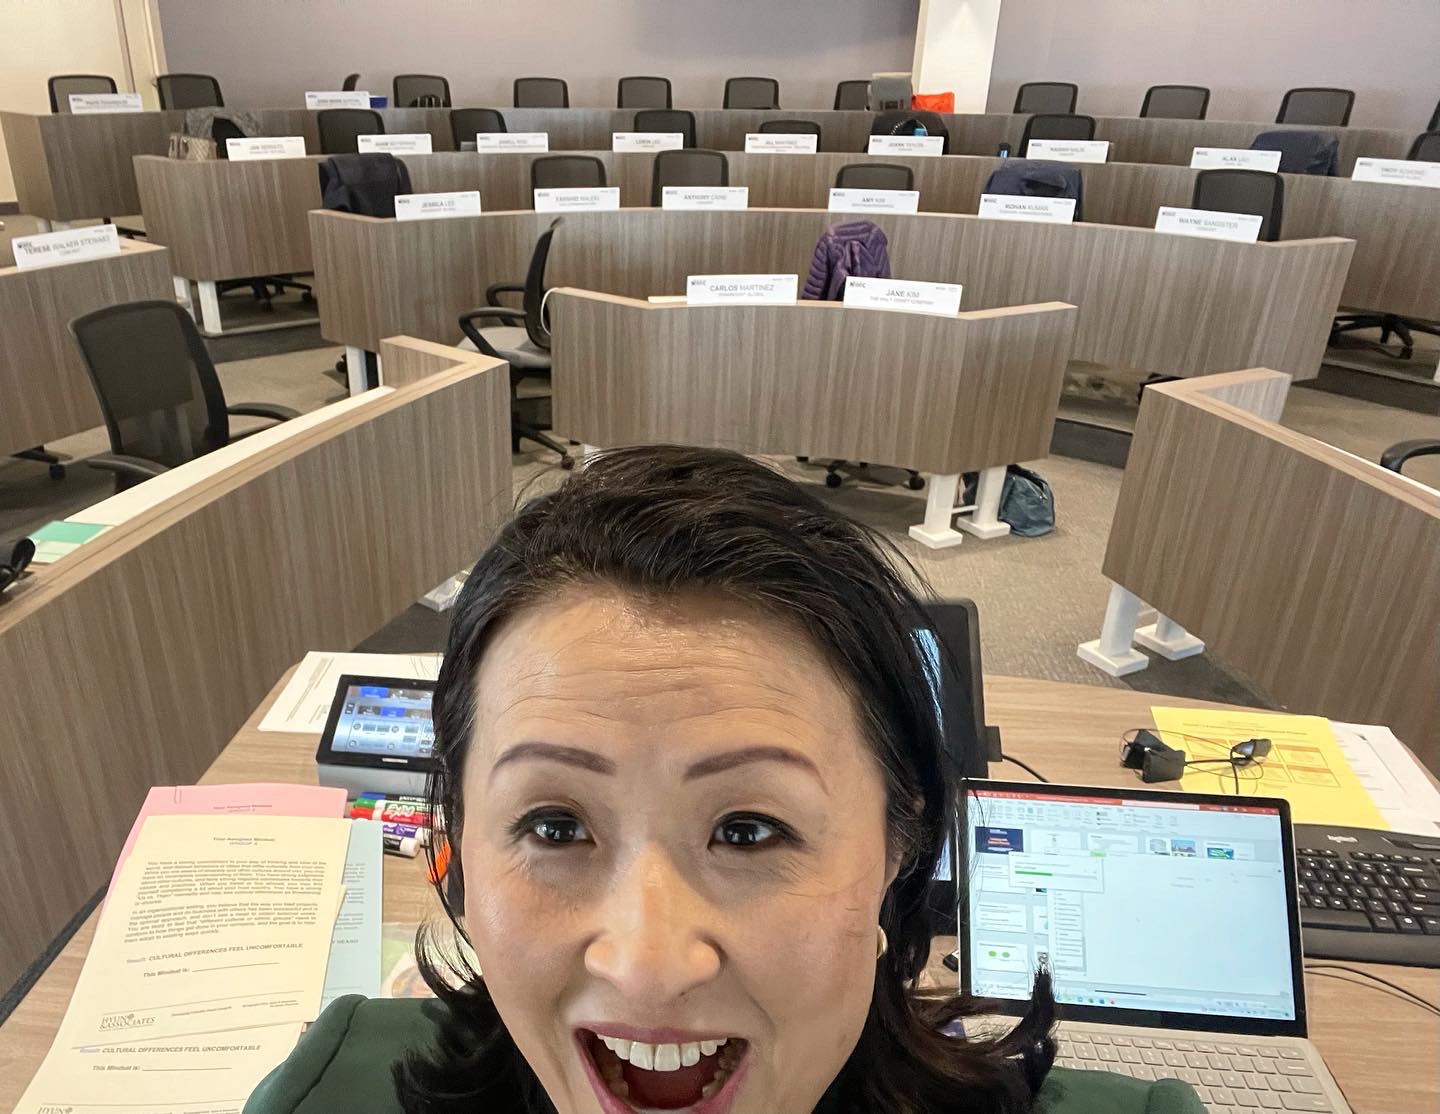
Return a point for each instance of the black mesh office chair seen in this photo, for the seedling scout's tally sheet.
(1323, 106)
(541, 92)
(1176, 102)
(1426, 147)
(643, 92)
(692, 167)
(1396, 455)
(157, 388)
(350, 82)
(874, 176)
(558, 172)
(62, 85)
(752, 92)
(341, 128)
(1257, 192)
(1434, 124)
(1301, 152)
(188, 90)
(794, 127)
(667, 120)
(520, 337)
(1046, 96)
(420, 90)
(1057, 125)
(852, 96)
(467, 123)
(902, 121)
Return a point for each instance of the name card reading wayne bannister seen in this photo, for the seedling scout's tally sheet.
(70, 246)
(1050, 210)
(1241, 227)
(341, 98)
(903, 294)
(705, 197)
(89, 104)
(576, 199)
(874, 201)
(406, 143)
(433, 206)
(741, 290)
(241, 149)
(1233, 158)
(906, 145)
(512, 141)
(1069, 150)
(780, 143)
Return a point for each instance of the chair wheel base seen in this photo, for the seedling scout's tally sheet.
(57, 471)
(833, 479)
(916, 483)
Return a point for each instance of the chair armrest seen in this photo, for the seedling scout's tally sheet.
(496, 313)
(496, 289)
(130, 467)
(263, 410)
(1396, 455)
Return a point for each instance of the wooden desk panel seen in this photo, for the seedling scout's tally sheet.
(46, 390)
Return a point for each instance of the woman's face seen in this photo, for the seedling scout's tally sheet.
(674, 837)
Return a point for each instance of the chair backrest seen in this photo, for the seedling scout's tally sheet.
(902, 121)
(553, 172)
(154, 380)
(1434, 124)
(541, 92)
(533, 302)
(1243, 191)
(1301, 152)
(412, 89)
(341, 128)
(667, 120)
(793, 127)
(351, 80)
(1057, 125)
(1176, 102)
(852, 96)
(1318, 105)
(643, 92)
(874, 176)
(693, 167)
(752, 92)
(1038, 178)
(188, 90)
(1426, 147)
(62, 85)
(467, 123)
(364, 184)
(1046, 96)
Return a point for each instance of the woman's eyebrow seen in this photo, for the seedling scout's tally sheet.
(598, 763)
(554, 752)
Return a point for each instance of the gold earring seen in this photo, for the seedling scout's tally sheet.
(882, 945)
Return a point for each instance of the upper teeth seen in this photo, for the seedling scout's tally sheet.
(661, 1057)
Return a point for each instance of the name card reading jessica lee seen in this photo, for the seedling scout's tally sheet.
(1051, 210)
(86, 104)
(906, 145)
(70, 246)
(874, 201)
(270, 147)
(1234, 158)
(512, 141)
(344, 98)
(741, 290)
(416, 143)
(705, 197)
(1242, 227)
(780, 143)
(433, 206)
(1398, 172)
(647, 141)
(574, 199)
(903, 294)
(1069, 150)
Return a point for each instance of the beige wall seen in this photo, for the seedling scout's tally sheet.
(1247, 51)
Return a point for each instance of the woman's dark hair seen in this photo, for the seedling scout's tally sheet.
(662, 520)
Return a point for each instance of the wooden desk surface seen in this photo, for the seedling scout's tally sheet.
(1380, 1049)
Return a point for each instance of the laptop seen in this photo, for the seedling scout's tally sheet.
(1171, 928)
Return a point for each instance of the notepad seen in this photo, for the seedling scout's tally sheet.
(56, 539)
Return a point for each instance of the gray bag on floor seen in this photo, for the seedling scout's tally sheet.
(1026, 502)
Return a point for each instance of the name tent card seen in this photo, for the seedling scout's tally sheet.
(342, 98)
(433, 206)
(416, 143)
(70, 246)
(777, 143)
(90, 104)
(904, 294)
(1224, 158)
(906, 145)
(512, 141)
(276, 147)
(647, 141)
(742, 290)
(1398, 172)
(705, 197)
(576, 199)
(874, 201)
(1069, 150)
(1242, 227)
(1050, 210)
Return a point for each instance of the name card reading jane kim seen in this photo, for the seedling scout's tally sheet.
(741, 290)
(907, 295)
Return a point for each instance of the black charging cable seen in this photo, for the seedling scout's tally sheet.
(1027, 768)
(1332, 970)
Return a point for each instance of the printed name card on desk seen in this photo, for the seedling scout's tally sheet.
(1069, 150)
(512, 141)
(1233, 158)
(278, 147)
(780, 143)
(906, 145)
(705, 197)
(87, 104)
(1398, 172)
(741, 290)
(339, 99)
(575, 199)
(1241, 227)
(434, 206)
(1003, 206)
(647, 141)
(903, 294)
(874, 201)
(70, 246)
(409, 143)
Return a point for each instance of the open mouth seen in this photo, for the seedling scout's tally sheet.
(635, 1077)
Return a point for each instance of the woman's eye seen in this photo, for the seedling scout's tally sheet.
(746, 831)
(558, 830)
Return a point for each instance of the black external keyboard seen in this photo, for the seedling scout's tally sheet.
(1369, 896)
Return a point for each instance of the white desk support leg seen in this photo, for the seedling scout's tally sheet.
(984, 520)
(937, 532)
(209, 308)
(1169, 639)
(182, 294)
(355, 370)
(1113, 652)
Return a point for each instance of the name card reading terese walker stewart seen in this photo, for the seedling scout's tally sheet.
(780, 143)
(433, 206)
(903, 294)
(406, 143)
(341, 98)
(70, 246)
(741, 290)
(705, 197)
(512, 141)
(1241, 227)
(1233, 158)
(874, 201)
(241, 149)
(575, 199)
(87, 104)
(1398, 172)
(1003, 206)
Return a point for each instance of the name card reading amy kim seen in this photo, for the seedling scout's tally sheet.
(1398, 172)
(1233, 158)
(70, 246)
(1242, 227)
(903, 294)
(343, 98)
(1069, 150)
(433, 206)
(874, 201)
(411, 143)
(647, 141)
(574, 199)
(1051, 210)
(906, 145)
(705, 197)
(780, 143)
(512, 141)
(86, 104)
(741, 290)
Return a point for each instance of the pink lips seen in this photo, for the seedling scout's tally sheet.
(718, 1103)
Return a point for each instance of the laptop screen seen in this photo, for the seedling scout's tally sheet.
(1176, 906)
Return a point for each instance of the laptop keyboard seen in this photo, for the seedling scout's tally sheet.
(1228, 1076)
